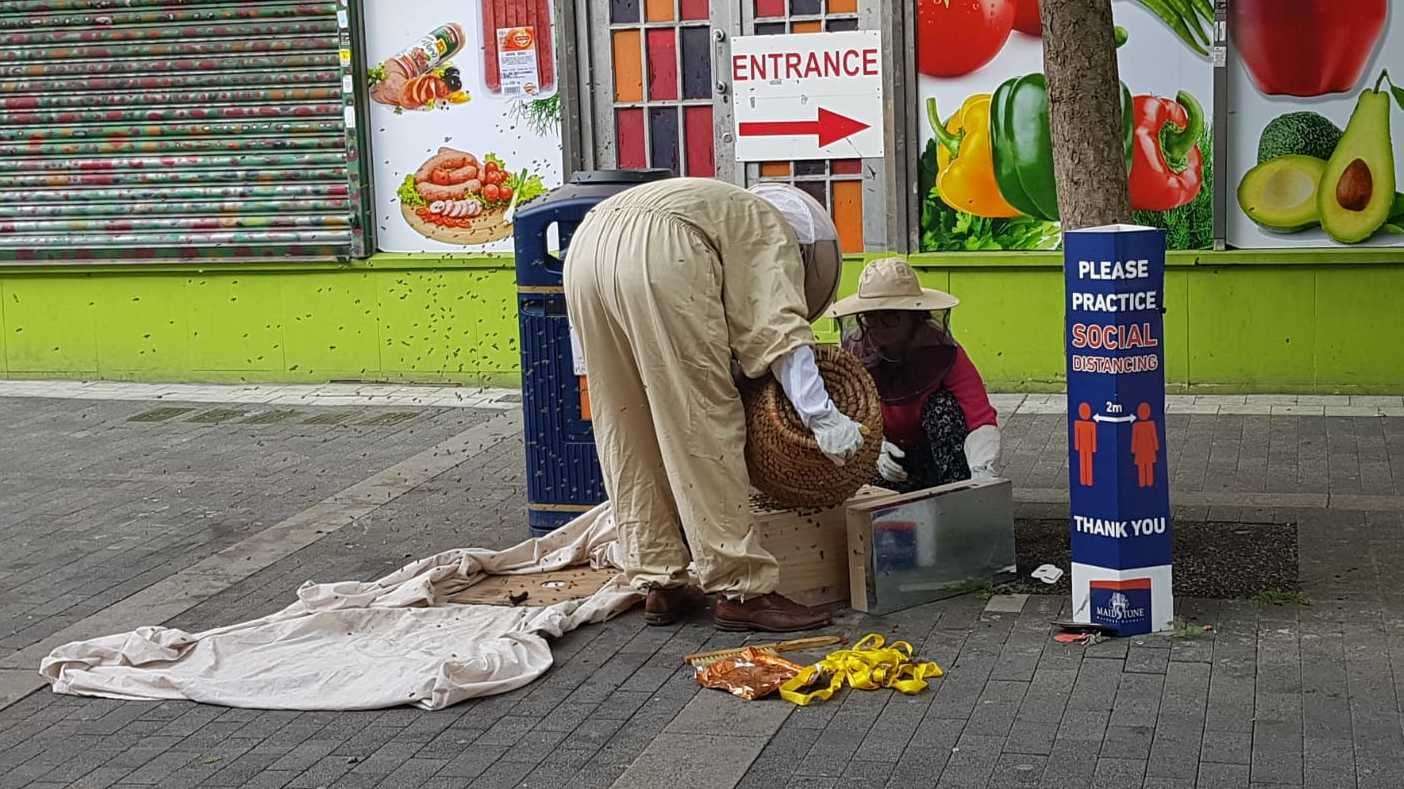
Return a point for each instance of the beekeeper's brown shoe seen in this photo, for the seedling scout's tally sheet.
(771, 613)
(666, 606)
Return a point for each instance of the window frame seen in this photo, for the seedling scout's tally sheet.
(890, 221)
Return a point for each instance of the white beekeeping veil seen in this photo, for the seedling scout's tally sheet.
(818, 238)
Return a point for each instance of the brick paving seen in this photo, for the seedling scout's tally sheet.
(1271, 696)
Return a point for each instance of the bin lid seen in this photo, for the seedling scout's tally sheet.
(629, 177)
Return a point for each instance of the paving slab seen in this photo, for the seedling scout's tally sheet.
(692, 761)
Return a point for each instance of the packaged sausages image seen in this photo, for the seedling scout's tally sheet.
(518, 53)
(423, 76)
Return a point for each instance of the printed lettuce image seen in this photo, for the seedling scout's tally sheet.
(527, 187)
(408, 193)
(944, 229)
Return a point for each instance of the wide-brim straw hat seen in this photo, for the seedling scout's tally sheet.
(891, 284)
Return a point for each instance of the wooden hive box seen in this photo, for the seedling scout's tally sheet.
(812, 548)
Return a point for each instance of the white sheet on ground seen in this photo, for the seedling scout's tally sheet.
(359, 645)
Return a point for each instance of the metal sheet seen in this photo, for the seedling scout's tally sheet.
(173, 129)
(930, 545)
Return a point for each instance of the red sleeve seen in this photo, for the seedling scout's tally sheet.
(964, 382)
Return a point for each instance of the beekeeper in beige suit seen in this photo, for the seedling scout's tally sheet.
(665, 285)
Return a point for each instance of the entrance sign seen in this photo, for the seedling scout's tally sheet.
(1120, 497)
(808, 96)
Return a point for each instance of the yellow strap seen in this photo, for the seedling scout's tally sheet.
(869, 665)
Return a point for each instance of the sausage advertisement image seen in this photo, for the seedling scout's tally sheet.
(447, 179)
(423, 76)
(458, 199)
(518, 57)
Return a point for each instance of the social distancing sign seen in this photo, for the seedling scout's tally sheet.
(1117, 475)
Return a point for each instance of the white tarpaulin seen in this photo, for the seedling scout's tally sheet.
(359, 645)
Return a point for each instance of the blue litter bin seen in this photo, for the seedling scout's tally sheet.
(563, 471)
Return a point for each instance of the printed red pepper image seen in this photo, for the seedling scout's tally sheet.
(1306, 47)
(1026, 19)
(1167, 167)
(957, 37)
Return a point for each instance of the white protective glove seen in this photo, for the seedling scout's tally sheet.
(982, 451)
(889, 463)
(839, 437)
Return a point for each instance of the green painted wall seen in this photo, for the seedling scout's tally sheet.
(415, 321)
(1236, 322)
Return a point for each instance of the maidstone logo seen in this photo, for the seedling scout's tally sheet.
(1121, 604)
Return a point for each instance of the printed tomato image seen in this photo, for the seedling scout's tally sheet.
(1306, 47)
(956, 37)
(1026, 18)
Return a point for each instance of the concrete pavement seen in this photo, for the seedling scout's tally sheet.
(118, 512)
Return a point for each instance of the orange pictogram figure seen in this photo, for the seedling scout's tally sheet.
(1084, 443)
(1145, 446)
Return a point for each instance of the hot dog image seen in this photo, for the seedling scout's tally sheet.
(422, 77)
(455, 198)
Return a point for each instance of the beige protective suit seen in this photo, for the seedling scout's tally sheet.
(665, 284)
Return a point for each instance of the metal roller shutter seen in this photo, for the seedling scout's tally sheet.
(177, 129)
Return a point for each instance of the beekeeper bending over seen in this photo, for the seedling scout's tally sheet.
(665, 285)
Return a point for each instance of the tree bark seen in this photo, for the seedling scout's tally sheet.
(1084, 101)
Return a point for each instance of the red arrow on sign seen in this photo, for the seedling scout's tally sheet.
(830, 128)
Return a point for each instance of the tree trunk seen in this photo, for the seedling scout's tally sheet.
(1084, 100)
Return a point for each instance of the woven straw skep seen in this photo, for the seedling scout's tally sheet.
(781, 454)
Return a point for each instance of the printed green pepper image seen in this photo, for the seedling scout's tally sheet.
(1023, 144)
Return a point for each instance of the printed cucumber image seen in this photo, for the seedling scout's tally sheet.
(1310, 173)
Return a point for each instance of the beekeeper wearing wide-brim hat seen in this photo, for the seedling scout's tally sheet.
(666, 284)
(938, 422)
(891, 284)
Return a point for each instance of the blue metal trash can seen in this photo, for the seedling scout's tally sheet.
(563, 471)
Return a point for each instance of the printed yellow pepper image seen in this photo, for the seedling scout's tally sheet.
(965, 176)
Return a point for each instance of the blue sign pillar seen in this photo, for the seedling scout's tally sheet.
(1120, 497)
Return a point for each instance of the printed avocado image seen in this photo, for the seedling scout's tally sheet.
(1298, 133)
(1357, 190)
(1281, 194)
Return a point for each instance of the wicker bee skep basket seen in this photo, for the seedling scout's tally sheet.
(782, 456)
